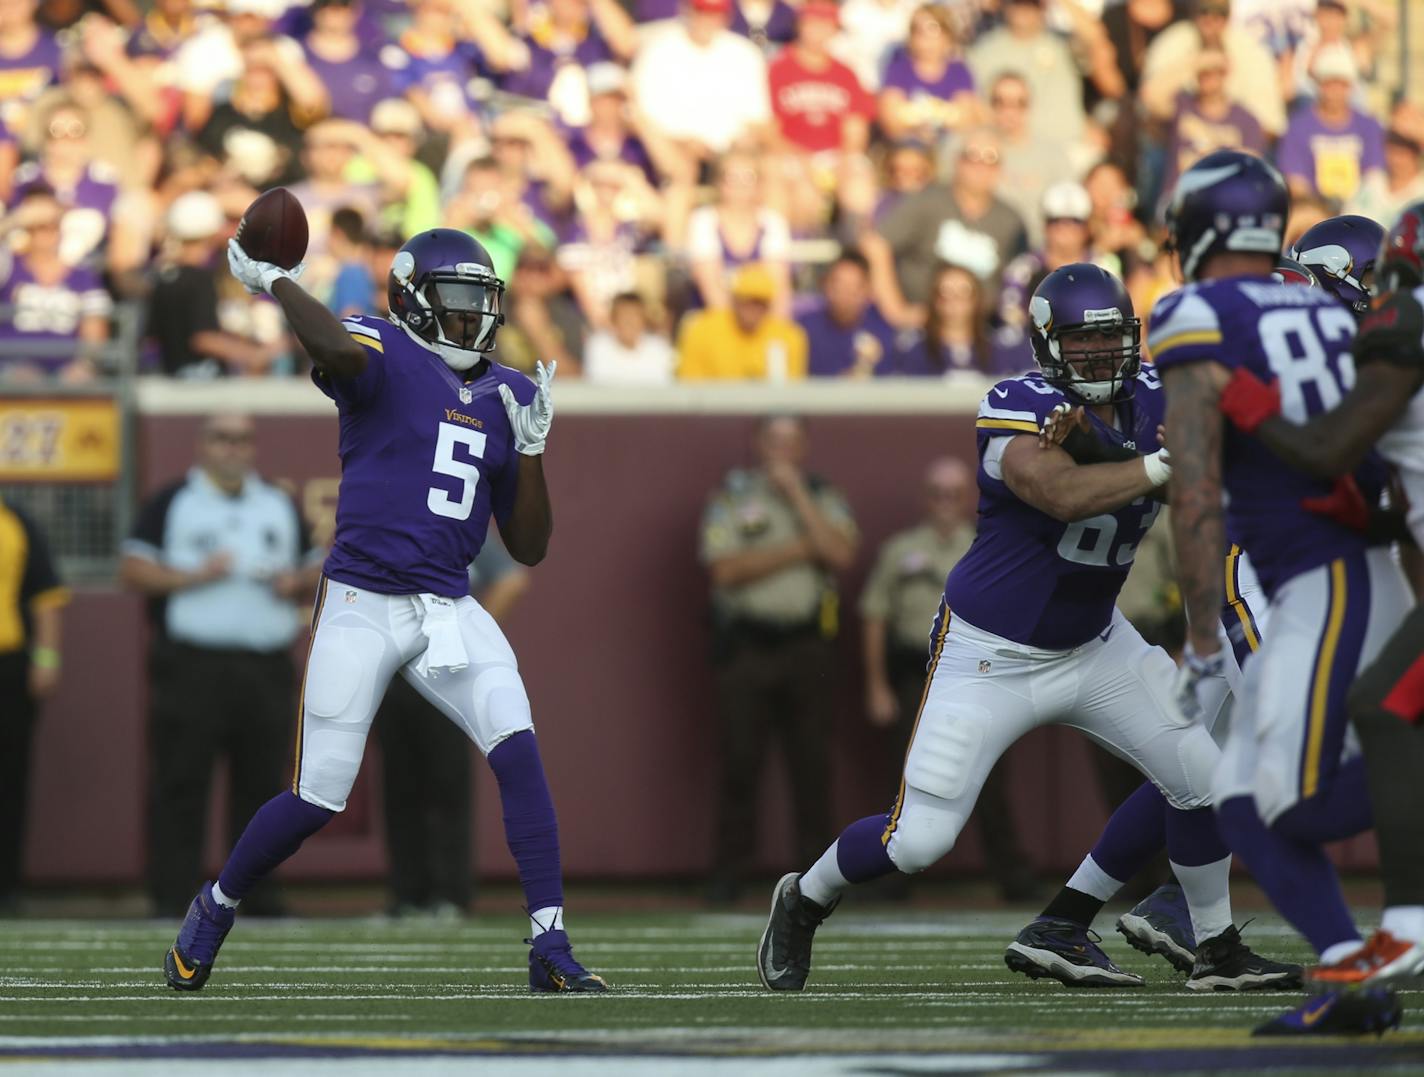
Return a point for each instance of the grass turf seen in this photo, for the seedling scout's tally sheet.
(930, 987)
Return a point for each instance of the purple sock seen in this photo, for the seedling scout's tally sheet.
(276, 831)
(860, 852)
(1193, 838)
(1296, 875)
(529, 823)
(1134, 834)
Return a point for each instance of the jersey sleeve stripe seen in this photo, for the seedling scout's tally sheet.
(1190, 336)
(1007, 424)
(986, 411)
(373, 343)
(352, 326)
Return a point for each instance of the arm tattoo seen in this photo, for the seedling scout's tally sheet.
(1198, 524)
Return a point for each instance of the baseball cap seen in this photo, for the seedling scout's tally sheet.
(711, 7)
(267, 9)
(1333, 62)
(821, 9)
(754, 282)
(395, 116)
(195, 215)
(606, 77)
(1212, 7)
(1067, 201)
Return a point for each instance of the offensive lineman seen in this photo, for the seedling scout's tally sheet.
(435, 439)
(1290, 777)
(1027, 634)
(1387, 702)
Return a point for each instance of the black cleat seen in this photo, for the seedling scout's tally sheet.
(784, 953)
(1225, 963)
(1339, 1013)
(1068, 952)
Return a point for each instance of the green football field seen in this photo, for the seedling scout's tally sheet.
(894, 992)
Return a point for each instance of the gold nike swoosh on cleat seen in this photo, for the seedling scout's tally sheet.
(183, 970)
(1309, 1017)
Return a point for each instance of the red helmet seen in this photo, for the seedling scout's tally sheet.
(1401, 257)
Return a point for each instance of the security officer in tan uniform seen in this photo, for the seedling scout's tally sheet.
(772, 538)
(897, 608)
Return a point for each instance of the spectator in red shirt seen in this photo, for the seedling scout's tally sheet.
(819, 104)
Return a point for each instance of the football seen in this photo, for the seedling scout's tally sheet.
(274, 229)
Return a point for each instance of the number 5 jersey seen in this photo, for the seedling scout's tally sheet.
(1029, 577)
(426, 459)
(1301, 338)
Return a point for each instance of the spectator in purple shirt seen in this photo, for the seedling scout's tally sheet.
(350, 68)
(87, 189)
(846, 334)
(44, 300)
(1209, 119)
(927, 89)
(1330, 148)
(29, 60)
(956, 338)
(609, 134)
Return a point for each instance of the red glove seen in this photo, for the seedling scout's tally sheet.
(1344, 504)
(1248, 401)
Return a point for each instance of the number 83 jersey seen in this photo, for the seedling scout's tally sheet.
(1299, 337)
(426, 458)
(1029, 577)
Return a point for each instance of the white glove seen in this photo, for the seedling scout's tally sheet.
(1190, 688)
(530, 422)
(257, 277)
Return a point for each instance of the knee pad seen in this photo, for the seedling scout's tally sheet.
(500, 703)
(1199, 758)
(924, 833)
(947, 751)
(340, 681)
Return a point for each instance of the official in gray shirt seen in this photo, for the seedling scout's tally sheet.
(227, 563)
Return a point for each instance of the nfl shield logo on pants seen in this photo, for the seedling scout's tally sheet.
(983, 665)
(465, 395)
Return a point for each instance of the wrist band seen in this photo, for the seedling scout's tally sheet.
(1158, 466)
(44, 657)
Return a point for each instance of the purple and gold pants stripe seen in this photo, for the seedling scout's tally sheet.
(302, 695)
(1248, 640)
(937, 636)
(1336, 662)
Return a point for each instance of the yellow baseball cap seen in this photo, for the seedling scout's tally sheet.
(754, 282)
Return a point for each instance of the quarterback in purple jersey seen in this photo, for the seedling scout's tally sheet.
(436, 439)
(1291, 777)
(1028, 635)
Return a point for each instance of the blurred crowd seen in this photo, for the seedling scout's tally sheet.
(674, 189)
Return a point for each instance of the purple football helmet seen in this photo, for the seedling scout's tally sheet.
(444, 293)
(1085, 335)
(1229, 201)
(1341, 252)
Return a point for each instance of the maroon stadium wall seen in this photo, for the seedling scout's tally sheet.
(613, 646)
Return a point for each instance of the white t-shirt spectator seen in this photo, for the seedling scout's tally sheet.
(710, 94)
(607, 362)
(870, 31)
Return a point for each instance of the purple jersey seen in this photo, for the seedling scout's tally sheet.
(363, 80)
(426, 459)
(24, 76)
(1028, 577)
(1301, 337)
(47, 312)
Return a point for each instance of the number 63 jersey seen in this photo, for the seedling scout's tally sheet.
(426, 458)
(1029, 577)
(1299, 337)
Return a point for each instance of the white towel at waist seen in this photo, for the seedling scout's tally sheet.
(441, 626)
